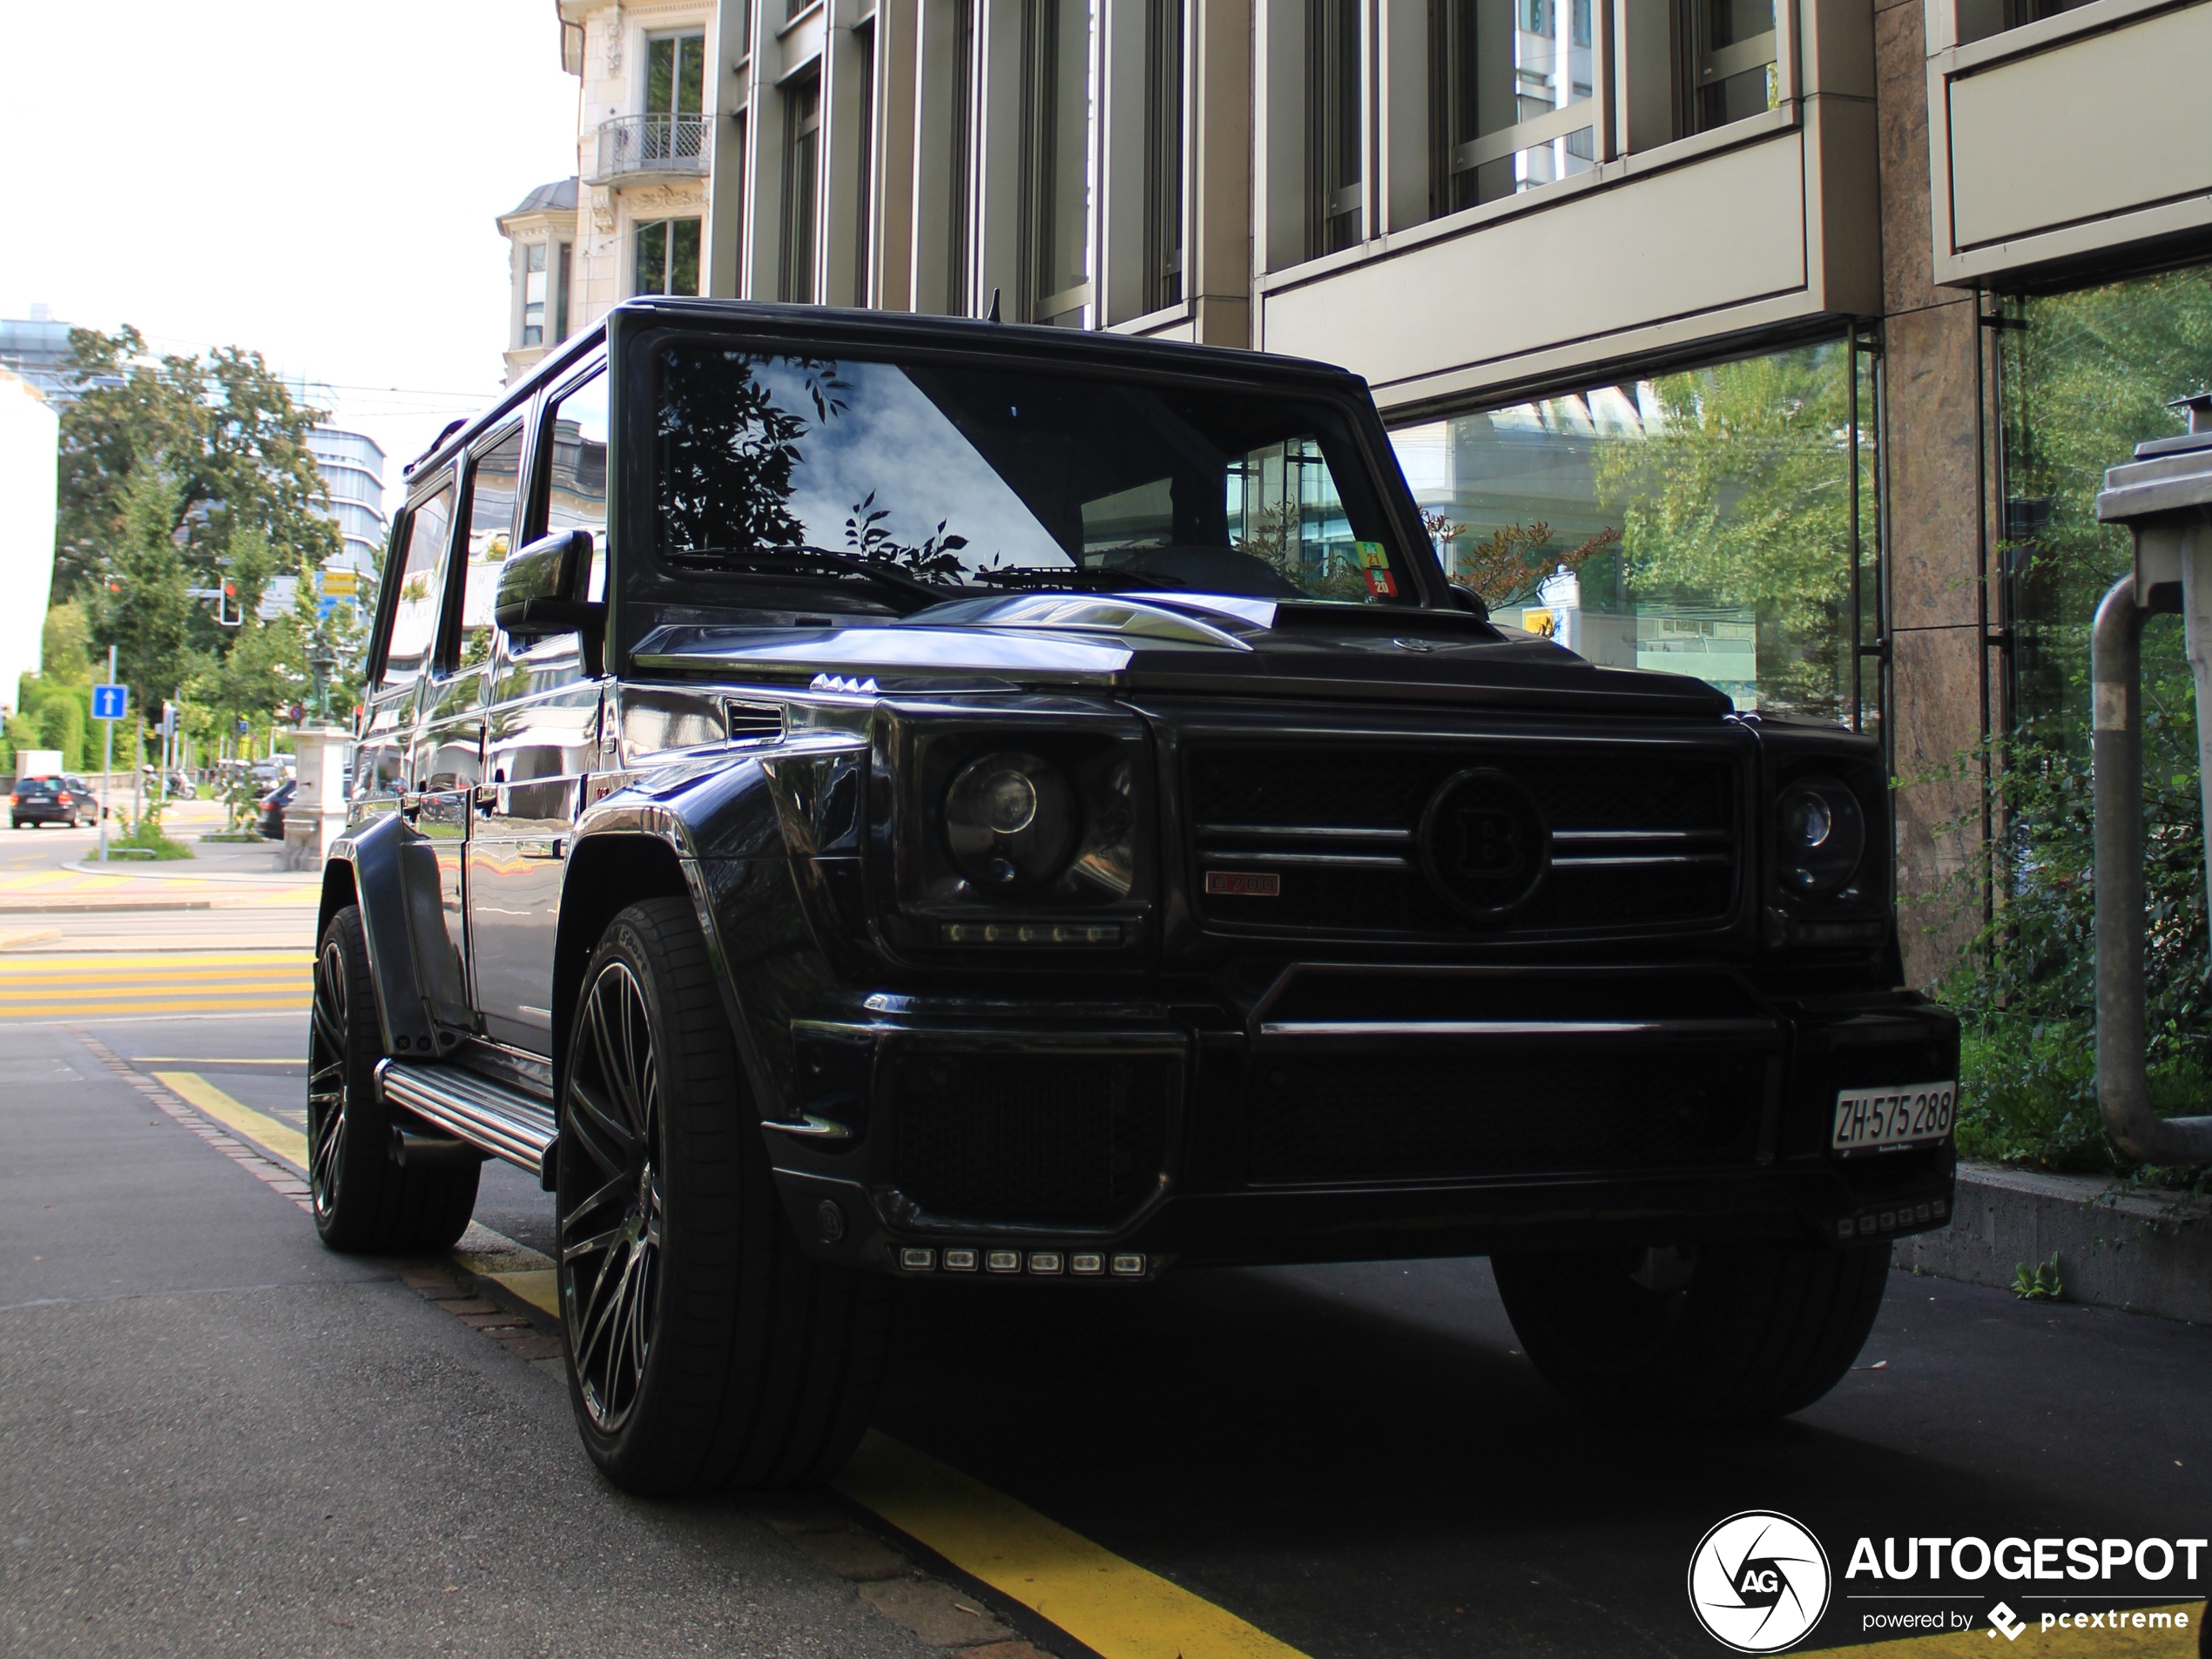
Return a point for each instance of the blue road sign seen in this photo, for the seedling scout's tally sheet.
(109, 702)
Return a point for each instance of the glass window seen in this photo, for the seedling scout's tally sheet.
(576, 497)
(996, 475)
(864, 162)
(1512, 108)
(1057, 93)
(667, 257)
(561, 299)
(494, 476)
(1334, 172)
(960, 116)
(802, 181)
(1728, 60)
(1163, 153)
(533, 295)
(2083, 377)
(414, 614)
(1699, 523)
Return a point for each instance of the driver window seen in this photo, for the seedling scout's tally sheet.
(494, 474)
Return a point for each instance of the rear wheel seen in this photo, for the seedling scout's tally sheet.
(704, 1348)
(1732, 1333)
(363, 1201)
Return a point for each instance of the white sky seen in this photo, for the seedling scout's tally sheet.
(312, 180)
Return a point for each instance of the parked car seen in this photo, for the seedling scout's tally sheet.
(1026, 807)
(65, 800)
(270, 822)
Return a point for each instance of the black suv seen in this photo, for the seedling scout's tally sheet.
(66, 802)
(850, 799)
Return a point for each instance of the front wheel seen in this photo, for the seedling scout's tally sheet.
(1727, 1332)
(363, 1200)
(704, 1348)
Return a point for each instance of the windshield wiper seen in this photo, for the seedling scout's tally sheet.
(1074, 576)
(803, 558)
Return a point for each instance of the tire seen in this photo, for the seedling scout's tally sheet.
(361, 1200)
(1761, 1331)
(704, 1348)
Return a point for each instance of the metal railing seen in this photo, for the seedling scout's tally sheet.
(637, 143)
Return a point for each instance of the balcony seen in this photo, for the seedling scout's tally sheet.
(637, 149)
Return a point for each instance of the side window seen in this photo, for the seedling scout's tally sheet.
(495, 475)
(576, 497)
(415, 616)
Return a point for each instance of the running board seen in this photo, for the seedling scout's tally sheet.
(506, 1122)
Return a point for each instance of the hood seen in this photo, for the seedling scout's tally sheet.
(1217, 644)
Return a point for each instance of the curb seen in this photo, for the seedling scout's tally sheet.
(2118, 1246)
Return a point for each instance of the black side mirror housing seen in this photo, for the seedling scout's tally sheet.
(1468, 600)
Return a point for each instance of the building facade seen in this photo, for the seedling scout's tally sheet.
(1786, 336)
(351, 465)
(29, 445)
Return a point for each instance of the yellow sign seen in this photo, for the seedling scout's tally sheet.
(340, 584)
(1538, 621)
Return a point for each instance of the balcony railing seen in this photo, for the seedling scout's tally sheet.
(631, 144)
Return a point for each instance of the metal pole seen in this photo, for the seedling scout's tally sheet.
(107, 763)
(2123, 1094)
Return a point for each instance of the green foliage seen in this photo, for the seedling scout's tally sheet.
(225, 434)
(2038, 1282)
(57, 715)
(144, 835)
(65, 649)
(141, 607)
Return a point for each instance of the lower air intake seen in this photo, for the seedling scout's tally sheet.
(1038, 1138)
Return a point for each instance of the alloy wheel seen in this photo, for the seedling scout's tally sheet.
(610, 1223)
(326, 1082)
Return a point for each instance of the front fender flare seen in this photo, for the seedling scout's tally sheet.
(409, 955)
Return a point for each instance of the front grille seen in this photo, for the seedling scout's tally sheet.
(1333, 1118)
(1642, 839)
(1042, 1138)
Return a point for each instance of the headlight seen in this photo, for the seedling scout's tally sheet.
(1009, 817)
(1820, 837)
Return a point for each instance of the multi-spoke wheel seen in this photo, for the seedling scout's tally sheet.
(704, 1348)
(362, 1199)
(611, 1237)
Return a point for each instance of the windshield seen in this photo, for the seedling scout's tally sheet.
(1013, 478)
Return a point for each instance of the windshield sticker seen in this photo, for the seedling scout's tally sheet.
(1374, 564)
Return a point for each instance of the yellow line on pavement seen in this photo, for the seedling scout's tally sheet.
(149, 1007)
(236, 1116)
(208, 1060)
(1112, 1606)
(2177, 1640)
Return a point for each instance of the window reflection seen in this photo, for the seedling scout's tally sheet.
(1697, 523)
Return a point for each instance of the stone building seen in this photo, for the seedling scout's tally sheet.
(1796, 329)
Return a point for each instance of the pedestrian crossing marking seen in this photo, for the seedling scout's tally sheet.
(93, 984)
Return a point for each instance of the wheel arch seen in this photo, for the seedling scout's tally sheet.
(365, 867)
(606, 872)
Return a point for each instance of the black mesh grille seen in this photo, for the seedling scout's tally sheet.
(1357, 1118)
(1248, 802)
(1036, 1138)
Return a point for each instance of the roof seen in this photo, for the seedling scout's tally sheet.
(556, 198)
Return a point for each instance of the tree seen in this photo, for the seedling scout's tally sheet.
(226, 434)
(142, 607)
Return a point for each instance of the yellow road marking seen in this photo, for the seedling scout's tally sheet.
(236, 1116)
(1112, 1606)
(2176, 1642)
(205, 1060)
(150, 1006)
(534, 1287)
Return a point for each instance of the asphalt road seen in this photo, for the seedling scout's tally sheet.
(220, 1438)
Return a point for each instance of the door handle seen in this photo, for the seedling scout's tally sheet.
(487, 796)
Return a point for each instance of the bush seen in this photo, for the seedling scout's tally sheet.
(144, 835)
(2027, 993)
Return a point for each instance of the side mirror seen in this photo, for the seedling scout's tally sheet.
(537, 589)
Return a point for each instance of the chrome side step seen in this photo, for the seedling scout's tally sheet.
(504, 1122)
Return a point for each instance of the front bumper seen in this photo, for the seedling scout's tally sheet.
(1056, 1140)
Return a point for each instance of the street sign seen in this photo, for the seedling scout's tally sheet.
(109, 702)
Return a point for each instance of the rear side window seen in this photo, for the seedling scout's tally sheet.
(415, 617)
(494, 478)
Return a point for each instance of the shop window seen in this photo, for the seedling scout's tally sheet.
(2082, 377)
(1700, 523)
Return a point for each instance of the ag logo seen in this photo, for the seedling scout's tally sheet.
(1758, 1581)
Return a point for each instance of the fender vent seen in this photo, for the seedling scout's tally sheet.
(753, 722)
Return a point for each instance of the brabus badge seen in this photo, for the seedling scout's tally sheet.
(1244, 885)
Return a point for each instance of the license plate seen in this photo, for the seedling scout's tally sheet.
(1878, 1120)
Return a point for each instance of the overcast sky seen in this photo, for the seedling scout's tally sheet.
(314, 181)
